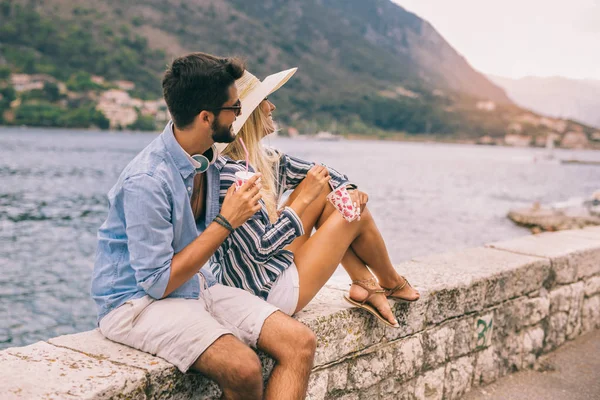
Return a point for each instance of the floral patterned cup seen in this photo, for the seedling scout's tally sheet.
(341, 200)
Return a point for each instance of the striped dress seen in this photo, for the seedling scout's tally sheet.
(253, 255)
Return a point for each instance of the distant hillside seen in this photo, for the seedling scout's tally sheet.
(556, 96)
(369, 65)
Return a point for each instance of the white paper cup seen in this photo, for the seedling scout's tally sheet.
(241, 177)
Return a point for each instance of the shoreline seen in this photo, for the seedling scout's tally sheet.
(396, 137)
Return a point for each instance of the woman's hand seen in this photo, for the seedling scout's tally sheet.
(314, 183)
(359, 198)
(239, 205)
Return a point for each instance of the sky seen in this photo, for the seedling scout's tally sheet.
(517, 38)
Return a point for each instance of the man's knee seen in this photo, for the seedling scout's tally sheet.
(302, 341)
(244, 374)
(308, 341)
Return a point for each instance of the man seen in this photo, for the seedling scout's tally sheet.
(162, 227)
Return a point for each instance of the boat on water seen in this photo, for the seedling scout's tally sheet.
(549, 155)
(327, 136)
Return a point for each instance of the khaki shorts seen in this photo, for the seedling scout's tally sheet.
(180, 330)
(285, 291)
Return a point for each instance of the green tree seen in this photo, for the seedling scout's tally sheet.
(38, 114)
(143, 123)
(81, 82)
(51, 92)
(4, 72)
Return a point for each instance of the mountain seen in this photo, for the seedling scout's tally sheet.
(370, 65)
(577, 99)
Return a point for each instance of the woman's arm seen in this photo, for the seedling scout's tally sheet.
(293, 170)
(258, 238)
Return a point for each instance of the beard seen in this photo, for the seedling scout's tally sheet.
(222, 133)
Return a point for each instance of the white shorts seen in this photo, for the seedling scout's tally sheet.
(286, 290)
(180, 330)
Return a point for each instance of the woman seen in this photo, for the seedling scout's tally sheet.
(274, 255)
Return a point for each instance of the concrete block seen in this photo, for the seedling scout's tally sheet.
(164, 378)
(411, 317)
(370, 369)
(466, 281)
(572, 257)
(590, 314)
(408, 356)
(592, 286)
(510, 352)
(535, 310)
(371, 393)
(487, 367)
(517, 314)
(458, 378)
(574, 318)
(569, 299)
(430, 385)
(464, 337)
(533, 344)
(340, 329)
(338, 377)
(344, 396)
(560, 298)
(42, 370)
(317, 385)
(391, 388)
(437, 346)
(556, 330)
(592, 232)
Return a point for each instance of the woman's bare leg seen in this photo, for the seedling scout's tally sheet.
(316, 215)
(370, 250)
(310, 216)
(318, 258)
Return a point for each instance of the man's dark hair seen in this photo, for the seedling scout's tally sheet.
(197, 82)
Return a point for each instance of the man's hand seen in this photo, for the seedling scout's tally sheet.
(241, 204)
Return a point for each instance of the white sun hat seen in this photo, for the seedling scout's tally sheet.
(252, 92)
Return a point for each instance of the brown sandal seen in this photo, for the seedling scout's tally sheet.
(390, 292)
(368, 285)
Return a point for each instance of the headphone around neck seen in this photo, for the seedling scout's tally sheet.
(206, 159)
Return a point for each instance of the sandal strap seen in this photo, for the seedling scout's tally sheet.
(365, 283)
(401, 286)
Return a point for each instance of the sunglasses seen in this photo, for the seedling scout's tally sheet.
(236, 108)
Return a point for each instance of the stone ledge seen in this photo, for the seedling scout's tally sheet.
(573, 254)
(484, 312)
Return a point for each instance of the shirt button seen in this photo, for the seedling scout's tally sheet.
(189, 188)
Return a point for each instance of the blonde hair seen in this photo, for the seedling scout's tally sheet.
(261, 159)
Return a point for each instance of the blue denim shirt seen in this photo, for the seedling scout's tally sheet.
(149, 220)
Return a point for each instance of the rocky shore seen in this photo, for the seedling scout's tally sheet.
(574, 214)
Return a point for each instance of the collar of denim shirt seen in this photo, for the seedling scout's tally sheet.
(180, 157)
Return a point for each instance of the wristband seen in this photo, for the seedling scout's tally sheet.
(221, 220)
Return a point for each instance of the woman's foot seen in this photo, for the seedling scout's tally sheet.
(401, 289)
(377, 300)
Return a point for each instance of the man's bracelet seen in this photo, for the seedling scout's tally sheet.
(351, 186)
(221, 220)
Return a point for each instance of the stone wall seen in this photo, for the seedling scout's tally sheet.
(484, 313)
